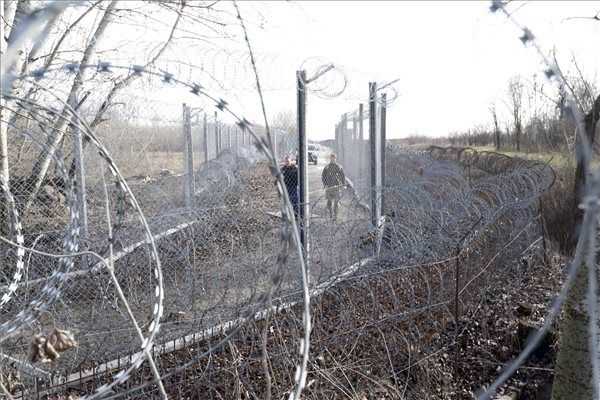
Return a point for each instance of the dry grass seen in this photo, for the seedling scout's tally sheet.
(556, 159)
(149, 163)
(558, 209)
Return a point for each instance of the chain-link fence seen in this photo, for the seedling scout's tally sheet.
(195, 246)
(145, 257)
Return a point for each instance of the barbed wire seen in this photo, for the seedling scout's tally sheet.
(221, 104)
(434, 201)
(585, 247)
(71, 246)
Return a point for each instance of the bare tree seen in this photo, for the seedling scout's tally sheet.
(3, 131)
(496, 127)
(13, 13)
(515, 93)
(55, 137)
(119, 84)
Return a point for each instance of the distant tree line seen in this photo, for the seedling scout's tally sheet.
(531, 117)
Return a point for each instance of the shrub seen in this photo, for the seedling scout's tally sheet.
(558, 208)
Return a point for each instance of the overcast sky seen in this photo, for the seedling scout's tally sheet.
(451, 58)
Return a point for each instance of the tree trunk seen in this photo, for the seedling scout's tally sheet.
(518, 135)
(496, 134)
(497, 139)
(117, 86)
(55, 137)
(48, 60)
(591, 120)
(496, 128)
(3, 127)
(13, 14)
(573, 370)
(10, 6)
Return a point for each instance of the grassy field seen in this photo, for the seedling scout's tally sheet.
(556, 159)
(149, 163)
(152, 162)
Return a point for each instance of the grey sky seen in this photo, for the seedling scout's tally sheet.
(452, 58)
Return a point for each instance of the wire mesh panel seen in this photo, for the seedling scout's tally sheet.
(208, 265)
(146, 253)
(359, 158)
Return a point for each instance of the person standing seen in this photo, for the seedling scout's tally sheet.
(334, 181)
(289, 170)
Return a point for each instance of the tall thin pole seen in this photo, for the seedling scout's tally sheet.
(302, 161)
(353, 146)
(383, 143)
(373, 165)
(237, 140)
(337, 139)
(3, 125)
(205, 134)
(343, 134)
(216, 136)
(197, 132)
(80, 176)
(189, 157)
(361, 146)
(275, 147)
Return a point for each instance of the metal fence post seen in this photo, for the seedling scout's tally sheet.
(302, 162)
(383, 144)
(237, 140)
(337, 139)
(205, 134)
(353, 146)
(80, 176)
(373, 164)
(188, 157)
(275, 147)
(344, 134)
(361, 138)
(339, 145)
(215, 127)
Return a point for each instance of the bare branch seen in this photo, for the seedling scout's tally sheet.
(594, 18)
(41, 166)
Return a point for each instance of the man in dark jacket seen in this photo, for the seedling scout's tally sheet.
(289, 170)
(334, 181)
